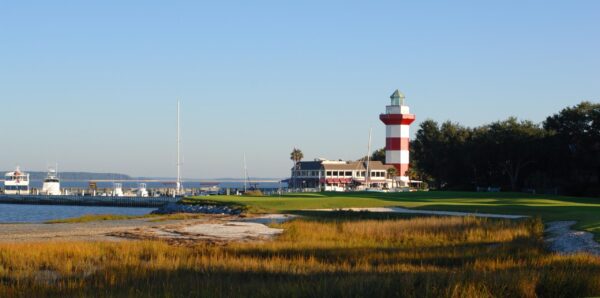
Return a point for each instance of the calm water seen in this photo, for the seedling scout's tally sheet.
(151, 185)
(40, 213)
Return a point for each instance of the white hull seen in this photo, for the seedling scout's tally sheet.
(51, 189)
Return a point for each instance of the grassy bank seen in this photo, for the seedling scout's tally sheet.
(91, 218)
(586, 211)
(106, 217)
(425, 257)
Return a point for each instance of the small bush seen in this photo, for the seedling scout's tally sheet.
(254, 193)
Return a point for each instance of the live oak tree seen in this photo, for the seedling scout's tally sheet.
(562, 153)
(512, 146)
(574, 136)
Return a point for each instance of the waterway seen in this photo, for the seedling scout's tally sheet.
(152, 185)
(15, 213)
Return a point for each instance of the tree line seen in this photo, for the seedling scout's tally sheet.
(559, 155)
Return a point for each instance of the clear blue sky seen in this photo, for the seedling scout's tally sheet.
(93, 84)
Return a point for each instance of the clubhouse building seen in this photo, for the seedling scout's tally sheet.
(338, 175)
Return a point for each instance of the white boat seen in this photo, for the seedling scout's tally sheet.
(51, 186)
(16, 183)
(142, 191)
(118, 190)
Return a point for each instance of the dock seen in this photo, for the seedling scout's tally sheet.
(107, 201)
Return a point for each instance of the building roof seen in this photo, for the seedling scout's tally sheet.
(397, 94)
(309, 165)
(357, 165)
(341, 165)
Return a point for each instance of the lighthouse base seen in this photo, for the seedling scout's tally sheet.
(402, 181)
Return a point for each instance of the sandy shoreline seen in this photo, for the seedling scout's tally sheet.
(209, 228)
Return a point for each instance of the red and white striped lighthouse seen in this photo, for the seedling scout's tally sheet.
(397, 119)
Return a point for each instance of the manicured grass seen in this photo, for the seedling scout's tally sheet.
(586, 211)
(418, 257)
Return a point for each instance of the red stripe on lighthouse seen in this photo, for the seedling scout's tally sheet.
(402, 169)
(396, 143)
(397, 119)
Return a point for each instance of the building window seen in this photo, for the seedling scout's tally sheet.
(348, 174)
(328, 173)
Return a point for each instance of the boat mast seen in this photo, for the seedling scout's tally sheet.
(368, 175)
(178, 183)
(245, 174)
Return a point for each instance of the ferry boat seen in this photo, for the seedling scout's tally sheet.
(16, 183)
(51, 186)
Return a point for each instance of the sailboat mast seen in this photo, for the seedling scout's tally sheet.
(178, 183)
(245, 174)
(368, 176)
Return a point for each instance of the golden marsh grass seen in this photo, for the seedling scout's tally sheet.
(419, 257)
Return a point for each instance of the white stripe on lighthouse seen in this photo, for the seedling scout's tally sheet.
(404, 157)
(404, 131)
(393, 131)
(393, 157)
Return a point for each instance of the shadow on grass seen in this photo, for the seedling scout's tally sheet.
(437, 255)
(447, 195)
(337, 215)
(552, 280)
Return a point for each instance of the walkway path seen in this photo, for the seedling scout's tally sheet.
(563, 239)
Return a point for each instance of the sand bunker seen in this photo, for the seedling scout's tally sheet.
(215, 231)
(232, 230)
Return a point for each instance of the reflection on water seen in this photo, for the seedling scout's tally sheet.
(40, 213)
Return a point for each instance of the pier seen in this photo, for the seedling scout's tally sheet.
(108, 201)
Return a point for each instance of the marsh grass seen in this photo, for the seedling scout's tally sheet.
(105, 217)
(418, 257)
(91, 218)
(175, 216)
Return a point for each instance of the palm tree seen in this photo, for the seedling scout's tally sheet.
(296, 156)
(392, 173)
